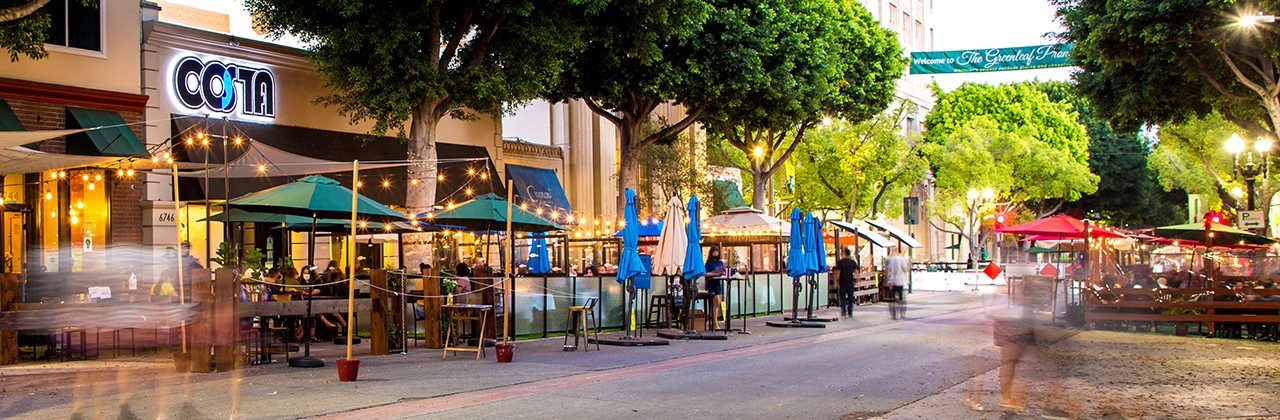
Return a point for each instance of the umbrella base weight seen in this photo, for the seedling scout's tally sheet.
(306, 362)
(795, 324)
(629, 342)
(812, 319)
(682, 335)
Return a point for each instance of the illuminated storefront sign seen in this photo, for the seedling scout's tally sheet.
(222, 87)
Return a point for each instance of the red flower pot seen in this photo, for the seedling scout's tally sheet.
(348, 369)
(505, 352)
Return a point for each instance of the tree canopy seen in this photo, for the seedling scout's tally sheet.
(1043, 164)
(414, 62)
(1128, 191)
(639, 56)
(1174, 61)
(1190, 156)
(858, 169)
(816, 59)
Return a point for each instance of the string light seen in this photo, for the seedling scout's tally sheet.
(359, 184)
(79, 204)
(119, 172)
(469, 192)
(440, 177)
(484, 176)
(262, 168)
(91, 186)
(471, 171)
(48, 196)
(413, 181)
(129, 172)
(237, 140)
(84, 177)
(97, 177)
(386, 184)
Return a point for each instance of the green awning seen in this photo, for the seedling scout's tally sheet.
(110, 136)
(9, 120)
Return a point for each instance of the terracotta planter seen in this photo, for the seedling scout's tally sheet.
(1180, 330)
(182, 361)
(348, 369)
(505, 352)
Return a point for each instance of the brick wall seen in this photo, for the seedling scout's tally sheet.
(126, 200)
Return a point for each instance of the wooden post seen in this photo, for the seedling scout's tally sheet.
(431, 308)
(9, 284)
(226, 319)
(379, 317)
(201, 331)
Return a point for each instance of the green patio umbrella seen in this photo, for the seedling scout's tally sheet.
(489, 213)
(1040, 250)
(315, 197)
(1222, 234)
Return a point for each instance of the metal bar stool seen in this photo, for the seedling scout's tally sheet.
(579, 329)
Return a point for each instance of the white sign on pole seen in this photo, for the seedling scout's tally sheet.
(1252, 219)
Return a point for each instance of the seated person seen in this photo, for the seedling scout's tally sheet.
(715, 271)
(165, 289)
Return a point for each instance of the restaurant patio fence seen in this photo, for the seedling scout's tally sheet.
(542, 304)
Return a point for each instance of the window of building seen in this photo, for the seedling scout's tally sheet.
(919, 36)
(74, 25)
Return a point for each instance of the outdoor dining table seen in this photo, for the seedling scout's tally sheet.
(457, 313)
(728, 299)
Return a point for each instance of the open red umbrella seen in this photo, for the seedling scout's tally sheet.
(1060, 226)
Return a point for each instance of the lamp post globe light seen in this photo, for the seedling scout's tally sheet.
(1249, 170)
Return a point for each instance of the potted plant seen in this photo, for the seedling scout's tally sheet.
(1180, 329)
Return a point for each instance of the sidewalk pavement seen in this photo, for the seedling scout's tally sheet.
(148, 387)
(1109, 374)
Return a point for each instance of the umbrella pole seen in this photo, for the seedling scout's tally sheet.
(507, 274)
(351, 250)
(177, 209)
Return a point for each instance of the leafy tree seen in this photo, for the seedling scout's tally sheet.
(639, 57)
(1167, 61)
(670, 169)
(415, 62)
(858, 169)
(1128, 192)
(816, 59)
(1190, 156)
(1055, 153)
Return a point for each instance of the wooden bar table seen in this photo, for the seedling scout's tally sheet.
(457, 314)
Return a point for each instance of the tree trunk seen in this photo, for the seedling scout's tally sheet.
(422, 167)
(759, 190)
(628, 159)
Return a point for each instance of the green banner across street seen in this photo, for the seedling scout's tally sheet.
(992, 59)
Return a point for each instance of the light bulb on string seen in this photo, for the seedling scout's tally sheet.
(48, 196)
(386, 184)
(440, 177)
(413, 182)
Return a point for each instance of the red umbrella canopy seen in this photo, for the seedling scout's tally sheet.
(1060, 226)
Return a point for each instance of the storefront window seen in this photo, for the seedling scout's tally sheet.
(15, 199)
(89, 216)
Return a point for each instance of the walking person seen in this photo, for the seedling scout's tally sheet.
(897, 270)
(847, 270)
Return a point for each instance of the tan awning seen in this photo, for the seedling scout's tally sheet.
(21, 160)
(262, 160)
(18, 138)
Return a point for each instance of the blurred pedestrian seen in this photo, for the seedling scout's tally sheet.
(846, 271)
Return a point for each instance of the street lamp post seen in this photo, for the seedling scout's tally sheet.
(977, 198)
(1249, 170)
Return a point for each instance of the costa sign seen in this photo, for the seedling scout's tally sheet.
(224, 87)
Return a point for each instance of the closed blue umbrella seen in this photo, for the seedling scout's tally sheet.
(694, 267)
(796, 266)
(810, 246)
(539, 263)
(822, 246)
(629, 264)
